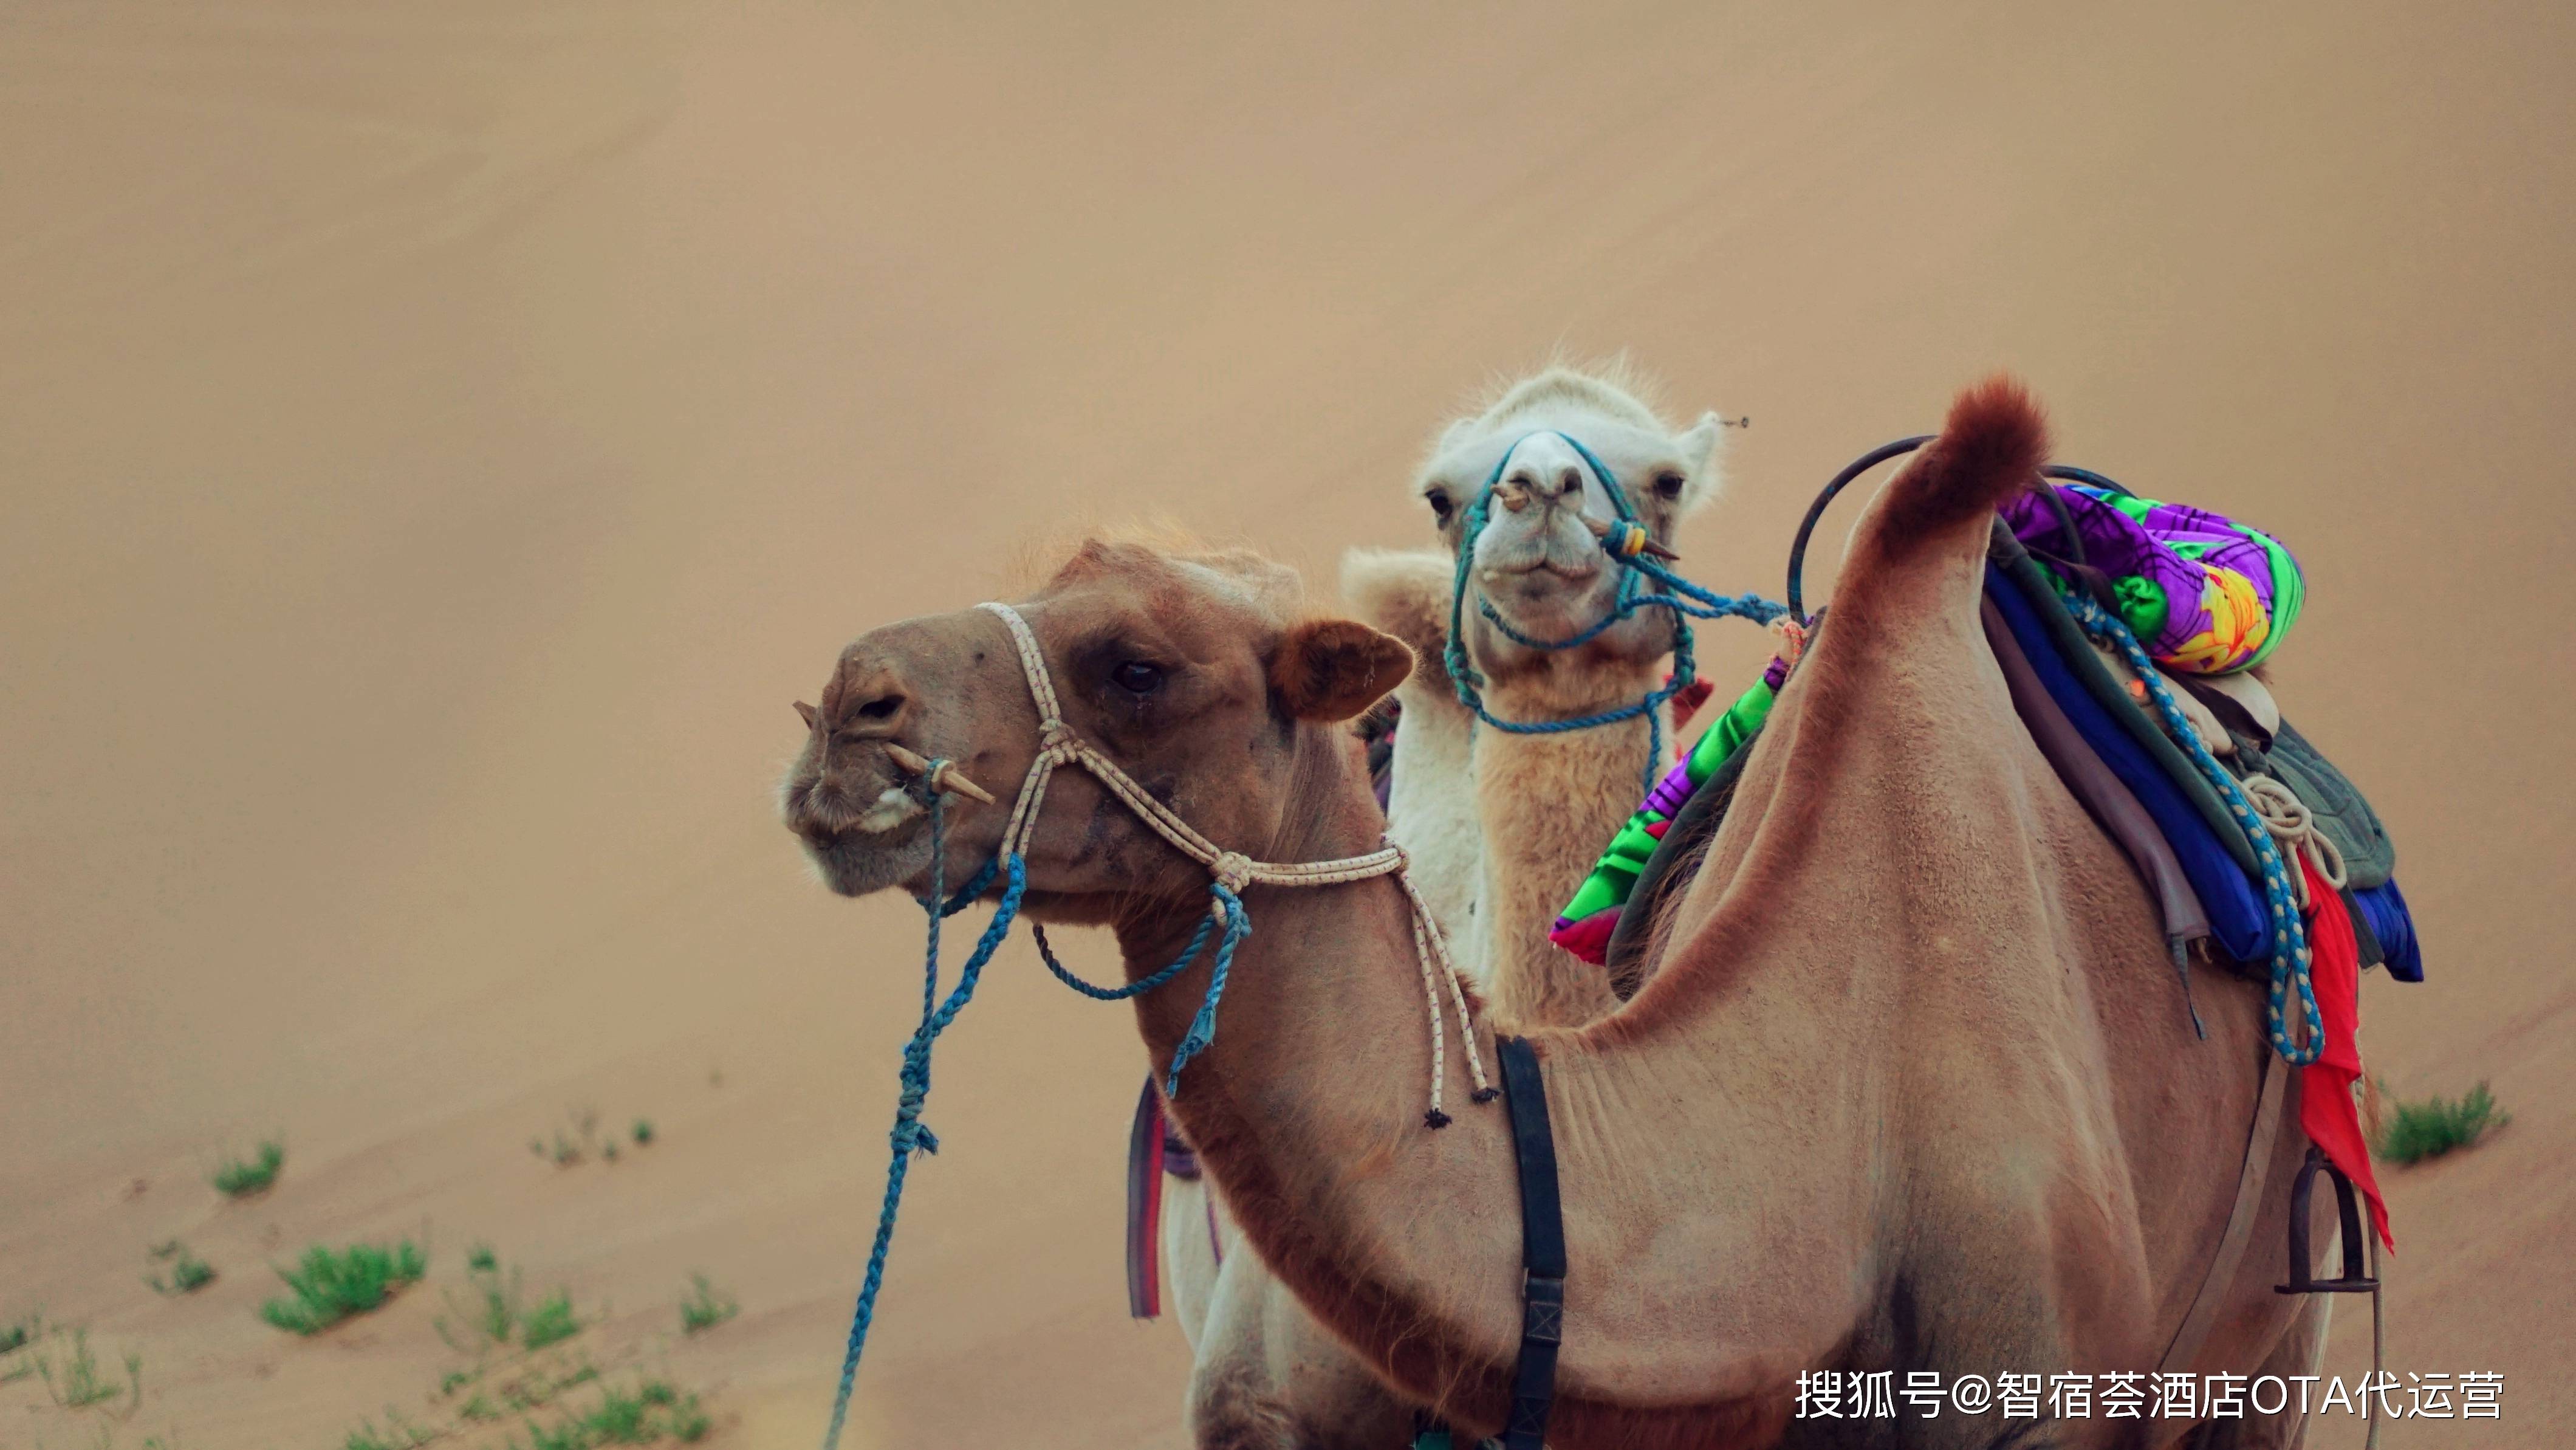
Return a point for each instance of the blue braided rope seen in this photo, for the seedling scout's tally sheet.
(1238, 925)
(2290, 960)
(1623, 545)
(1202, 1033)
(1137, 988)
(909, 1132)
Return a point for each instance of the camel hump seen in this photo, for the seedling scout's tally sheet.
(1990, 448)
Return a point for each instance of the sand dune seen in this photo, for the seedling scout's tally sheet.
(440, 441)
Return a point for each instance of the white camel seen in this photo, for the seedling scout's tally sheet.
(1501, 827)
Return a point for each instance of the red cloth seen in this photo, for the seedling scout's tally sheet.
(1145, 1206)
(2327, 1111)
(1687, 703)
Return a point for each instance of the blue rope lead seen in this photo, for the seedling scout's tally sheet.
(2290, 961)
(909, 1131)
(1625, 544)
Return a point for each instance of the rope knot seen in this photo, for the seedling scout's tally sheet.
(1056, 738)
(2295, 826)
(1793, 640)
(1232, 870)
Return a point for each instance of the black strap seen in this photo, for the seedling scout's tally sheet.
(1542, 1246)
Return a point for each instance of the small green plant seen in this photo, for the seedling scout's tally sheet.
(575, 1139)
(552, 1321)
(643, 1132)
(188, 1273)
(397, 1433)
(74, 1380)
(330, 1287)
(497, 1315)
(493, 1310)
(241, 1178)
(651, 1411)
(705, 1308)
(2435, 1126)
(14, 1336)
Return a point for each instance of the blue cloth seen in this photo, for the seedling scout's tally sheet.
(2394, 925)
(2237, 915)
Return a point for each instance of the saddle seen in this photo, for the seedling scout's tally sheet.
(2195, 860)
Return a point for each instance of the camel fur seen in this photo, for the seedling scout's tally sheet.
(1903, 1094)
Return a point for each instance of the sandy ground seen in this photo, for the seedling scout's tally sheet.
(440, 440)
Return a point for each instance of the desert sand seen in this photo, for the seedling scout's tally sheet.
(440, 440)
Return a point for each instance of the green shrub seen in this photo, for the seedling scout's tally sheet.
(498, 1316)
(72, 1376)
(188, 1273)
(705, 1308)
(643, 1132)
(2435, 1126)
(397, 1434)
(651, 1411)
(330, 1287)
(552, 1321)
(238, 1178)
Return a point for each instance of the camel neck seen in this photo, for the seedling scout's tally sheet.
(1544, 806)
(1307, 1110)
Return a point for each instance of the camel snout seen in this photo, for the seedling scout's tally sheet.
(870, 700)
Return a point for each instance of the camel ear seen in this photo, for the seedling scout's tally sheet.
(1332, 669)
(1404, 592)
(1701, 455)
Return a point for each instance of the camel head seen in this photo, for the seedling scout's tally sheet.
(1535, 561)
(1191, 669)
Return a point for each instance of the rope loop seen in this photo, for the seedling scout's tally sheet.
(2295, 826)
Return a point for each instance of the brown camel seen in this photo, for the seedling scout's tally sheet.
(1907, 1092)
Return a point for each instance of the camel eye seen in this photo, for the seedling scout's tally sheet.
(1438, 498)
(1669, 484)
(1137, 677)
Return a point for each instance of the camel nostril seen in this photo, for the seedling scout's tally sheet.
(882, 708)
(1569, 482)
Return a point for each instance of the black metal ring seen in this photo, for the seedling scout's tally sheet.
(1879, 455)
(1816, 510)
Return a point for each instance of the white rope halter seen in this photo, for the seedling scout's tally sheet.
(1231, 870)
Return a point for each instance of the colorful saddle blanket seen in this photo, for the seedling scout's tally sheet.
(2197, 863)
(2205, 596)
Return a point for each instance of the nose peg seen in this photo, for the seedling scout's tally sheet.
(943, 774)
(1620, 537)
